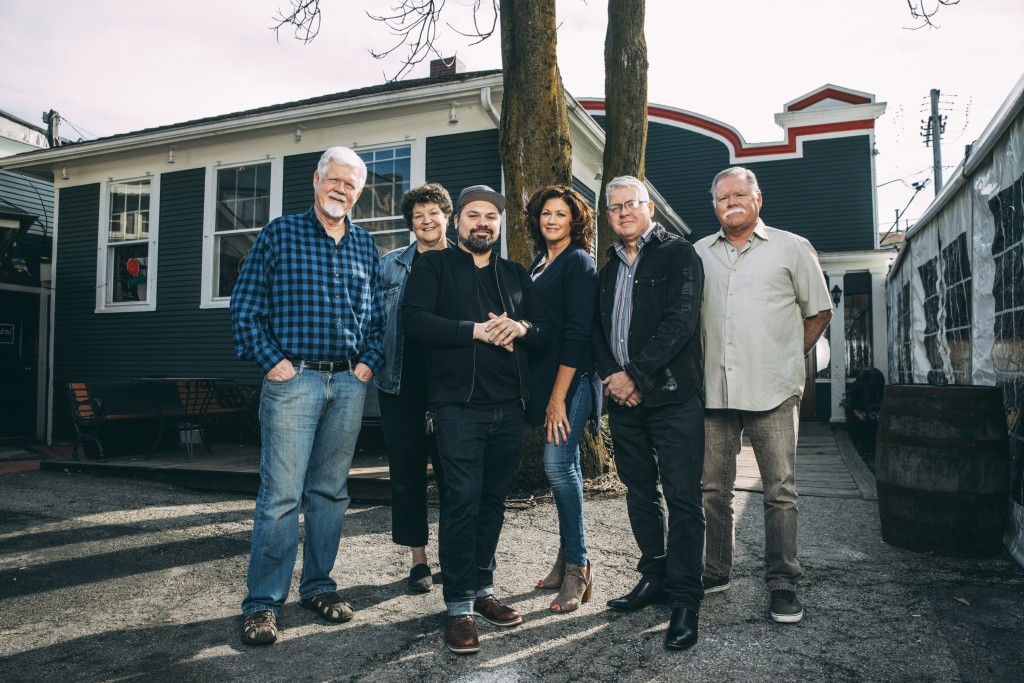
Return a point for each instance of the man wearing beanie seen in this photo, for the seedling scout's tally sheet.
(477, 313)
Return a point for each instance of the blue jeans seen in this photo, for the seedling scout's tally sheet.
(562, 465)
(308, 426)
(479, 451)
(773, 436)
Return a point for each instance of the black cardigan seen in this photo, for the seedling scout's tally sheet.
(440, 308)
(568, 288)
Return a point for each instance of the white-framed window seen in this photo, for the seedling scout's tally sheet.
(126, 258)
(240, 200)
(379, 207)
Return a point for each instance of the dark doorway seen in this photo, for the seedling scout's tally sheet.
(19, 329)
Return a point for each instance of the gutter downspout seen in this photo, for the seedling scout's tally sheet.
(485, 102)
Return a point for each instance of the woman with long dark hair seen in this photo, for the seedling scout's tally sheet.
(562, 397)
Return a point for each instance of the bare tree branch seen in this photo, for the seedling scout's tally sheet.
(304, 18)
(416, 24)
(919, 10)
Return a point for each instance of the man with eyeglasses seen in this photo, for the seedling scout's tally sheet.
(647, 352)
(765, 305)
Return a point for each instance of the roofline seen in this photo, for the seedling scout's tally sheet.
(292, 112)
(825, 123)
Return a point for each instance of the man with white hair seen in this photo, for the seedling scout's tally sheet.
(765, 305)
(309, 311)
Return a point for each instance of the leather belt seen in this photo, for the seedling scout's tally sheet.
(325, 365)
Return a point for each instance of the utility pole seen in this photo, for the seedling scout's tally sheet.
(936, 134)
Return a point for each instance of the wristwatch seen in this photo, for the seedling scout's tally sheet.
(527, 325)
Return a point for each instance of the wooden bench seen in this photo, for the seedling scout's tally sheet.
(94, 405)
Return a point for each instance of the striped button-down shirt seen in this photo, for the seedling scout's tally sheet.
(622, 313)
(303, 296)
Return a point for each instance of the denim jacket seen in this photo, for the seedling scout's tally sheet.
(395, 267)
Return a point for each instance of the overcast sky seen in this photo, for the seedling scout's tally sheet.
(113, 66)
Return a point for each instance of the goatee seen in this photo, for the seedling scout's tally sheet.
(478, 244)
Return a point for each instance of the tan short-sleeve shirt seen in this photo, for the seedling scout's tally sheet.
(755, 300)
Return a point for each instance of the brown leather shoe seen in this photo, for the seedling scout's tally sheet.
(492, 611)
(460, 635)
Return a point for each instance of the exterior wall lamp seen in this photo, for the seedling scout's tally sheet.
(837, 294)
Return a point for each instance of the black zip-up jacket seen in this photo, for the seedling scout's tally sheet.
(665, 356)
(440, 308)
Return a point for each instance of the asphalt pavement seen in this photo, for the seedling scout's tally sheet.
(105, 579)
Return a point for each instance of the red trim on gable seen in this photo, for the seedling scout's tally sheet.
(828, 94)
(740, 150)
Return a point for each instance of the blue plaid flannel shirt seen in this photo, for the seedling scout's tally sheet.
(302, 296)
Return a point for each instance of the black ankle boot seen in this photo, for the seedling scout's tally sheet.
(682, 629)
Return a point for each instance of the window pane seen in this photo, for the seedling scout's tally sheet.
(229, 253)
(857, 311)
(388, 234)
(243, 197)
(129, 211)
(387, 179)
(130, 272)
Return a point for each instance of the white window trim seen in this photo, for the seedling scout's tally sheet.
(207, 300)
(416, 170)
(103, 267)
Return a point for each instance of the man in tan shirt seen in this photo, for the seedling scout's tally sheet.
(765, 304)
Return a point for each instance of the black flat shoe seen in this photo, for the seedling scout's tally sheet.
(645, 593)
(420, 579)
(682, 629)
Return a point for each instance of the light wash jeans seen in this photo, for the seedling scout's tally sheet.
(773, 435)
(562, 465)
(308, 426)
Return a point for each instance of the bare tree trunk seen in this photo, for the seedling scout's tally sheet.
(534, 135)
(625, 103)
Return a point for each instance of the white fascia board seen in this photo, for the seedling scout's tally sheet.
(853, 261)
(817, 117)
(294, 115)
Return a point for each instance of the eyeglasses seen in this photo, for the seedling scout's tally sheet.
(632, 204)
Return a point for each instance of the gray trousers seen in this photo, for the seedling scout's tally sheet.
(773, 435)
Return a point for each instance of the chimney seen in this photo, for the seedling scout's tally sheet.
(446, 66)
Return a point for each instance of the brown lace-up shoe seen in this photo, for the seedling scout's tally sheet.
(460, 635)
(490, 610)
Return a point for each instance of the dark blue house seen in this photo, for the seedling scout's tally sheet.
(819, 182)
(152, 225)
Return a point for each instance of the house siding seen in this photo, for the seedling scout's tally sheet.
(297, 184)
(825, 196)
(176, 339)
(458, 161)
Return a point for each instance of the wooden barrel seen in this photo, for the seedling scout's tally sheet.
(942, 468)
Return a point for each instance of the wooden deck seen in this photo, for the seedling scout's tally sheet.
(827, 465)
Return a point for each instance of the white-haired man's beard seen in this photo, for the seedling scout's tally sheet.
(478, 243)
(334, 209)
